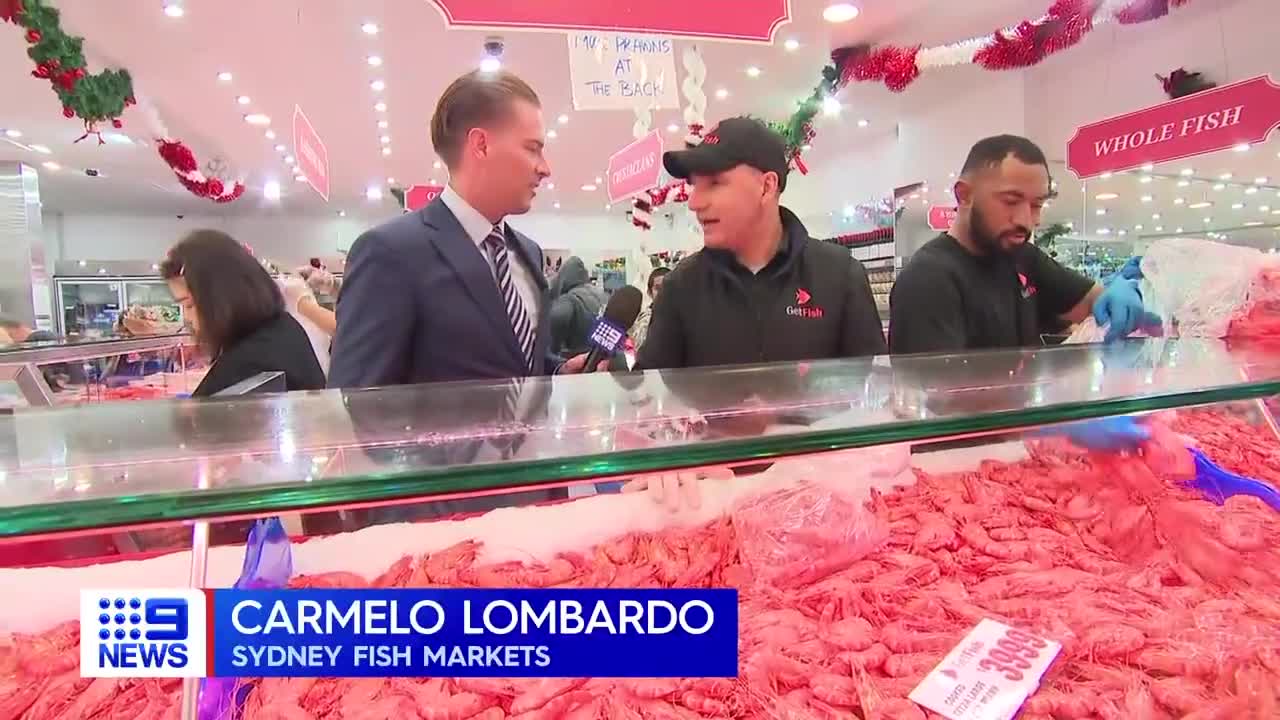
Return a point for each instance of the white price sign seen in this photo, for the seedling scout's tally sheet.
(617, 71)
(988, 675)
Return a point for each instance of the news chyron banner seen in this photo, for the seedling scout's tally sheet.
(409, 633)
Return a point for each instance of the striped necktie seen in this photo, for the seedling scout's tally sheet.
(496, 244)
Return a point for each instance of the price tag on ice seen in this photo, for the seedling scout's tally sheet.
(988, 675)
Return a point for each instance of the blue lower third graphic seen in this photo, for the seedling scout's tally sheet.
(474, 633)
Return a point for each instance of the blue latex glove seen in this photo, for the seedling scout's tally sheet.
(1108, 434)
(1132, 269)
(1120, 309)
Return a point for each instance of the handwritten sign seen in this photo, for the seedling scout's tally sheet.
(615, 71)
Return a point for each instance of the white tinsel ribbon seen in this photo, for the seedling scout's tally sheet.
(695, 109)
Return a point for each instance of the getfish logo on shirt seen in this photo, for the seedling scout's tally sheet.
(142, 633)
(804, 306)
(1027, 287)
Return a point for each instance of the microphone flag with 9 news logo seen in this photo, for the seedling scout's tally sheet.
(409, 632)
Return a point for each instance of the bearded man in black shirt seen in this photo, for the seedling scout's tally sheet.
(983, 285)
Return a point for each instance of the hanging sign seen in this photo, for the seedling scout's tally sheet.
(940, 217)
(636, 167)
(313, 158)
(754, 21)
(419, 196)
(1208, 121)
(611, 71)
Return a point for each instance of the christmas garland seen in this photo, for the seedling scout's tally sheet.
(870, 237)
(59, 58)
(183, 163)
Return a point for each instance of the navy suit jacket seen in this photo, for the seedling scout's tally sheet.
(419, 304)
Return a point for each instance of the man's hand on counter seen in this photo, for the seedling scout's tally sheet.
(677, 490)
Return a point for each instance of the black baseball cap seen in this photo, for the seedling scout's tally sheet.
(735, 141)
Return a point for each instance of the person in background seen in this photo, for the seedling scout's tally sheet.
(237, 314)
(452, 292)
(320, 323)
(641, 327)
(983, 284)
(575, 307)
(20, 332)
(760, 290)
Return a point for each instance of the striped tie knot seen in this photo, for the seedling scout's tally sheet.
(521, 323)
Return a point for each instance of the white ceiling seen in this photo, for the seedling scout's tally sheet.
(313, 53)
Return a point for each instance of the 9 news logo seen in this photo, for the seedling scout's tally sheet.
(142, 633)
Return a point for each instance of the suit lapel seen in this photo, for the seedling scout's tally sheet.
(471, 269)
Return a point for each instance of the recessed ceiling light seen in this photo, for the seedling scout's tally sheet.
(830, 106)
(1184, 183)
(563, 119)
(42, 149)
(1264, 208)
(385, 139)
(1106, 196)
(863, 123)
(51, 165)
(1104, 231)
(280, 148)
(840, 12)
(1159, 228)
(1201, 204)
(722, 94)
(383, 124)
(13, 133)
(1148, 167)
(1219, 187)
(299, 177)
(1251, 191)
(1155, 216)
(257, 119)
(490, 64)
(271, 190)
(753, 71)
(1147, 198)
(1208, 220)
(373, 193)
(551, 186)
(1100, 211)
(374, 61)
(1179, 201)
(289, 160)
(392, 181)
(1187, 172)
(436, 165)
(552, 134)
(1261, 180)
(369, 28)
(589, 187)
(378, 85)
(271, 134)
(1137, 228)
(791, 45)
(1242, 147)
(1178, 229)
(1275, 212)
(1105, 176)
(342, 213)
(173, 10)
(556, 206)
(243, 99)
(386, 151)
(1253, 223)
(673, 128)
(599, 179)
(224, 76)
(1145, 179)
(1123, 232)
(1237, 206)
(380, 107)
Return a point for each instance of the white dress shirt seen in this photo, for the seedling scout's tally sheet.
(478, 228)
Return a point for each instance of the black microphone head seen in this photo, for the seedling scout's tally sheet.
(624, 306)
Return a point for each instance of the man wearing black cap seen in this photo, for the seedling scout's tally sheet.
(761, 290)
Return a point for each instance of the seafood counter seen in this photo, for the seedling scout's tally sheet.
(858, 572)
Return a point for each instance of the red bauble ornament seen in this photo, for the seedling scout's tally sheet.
(41, 71)
(67, 112)
(79, 72)
(67, 80)
(214, 187)
(54, 63)
(33, 36)
(117, 124)
(130, 101)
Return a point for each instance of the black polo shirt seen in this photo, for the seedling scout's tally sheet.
(946, 299)
(811, 302)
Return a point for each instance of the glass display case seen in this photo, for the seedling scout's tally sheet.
(516, 482)
(91, 307)
(75, 372)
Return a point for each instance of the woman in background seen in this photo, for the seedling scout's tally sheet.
(237, 314)
(640, 329)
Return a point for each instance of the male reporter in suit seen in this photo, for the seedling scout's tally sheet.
(451, 292)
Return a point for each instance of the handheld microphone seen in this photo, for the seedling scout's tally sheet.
(612, 327)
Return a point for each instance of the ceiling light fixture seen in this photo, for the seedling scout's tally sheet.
(1208, 220)
(556, 206)
(830, 106)
(1179, 201)
(280, 148)
(289, 160)
(1178, 229)
(382, 124)
(863, 123)
(1106, 196)
(1219, 187)
(722, 94)
(224, 76)
(1253, 223)
(1225, 176)
(1264, 208)
(1155, 216)
(753, 71)
(271, 190)
(1242, 147)
(1137, 228)
(1251, 191)
(1100, 211)
(436, 165)
(840, 12)
(791, 45)
(300, 178)
(1184, 183)
(1199, 205)
(243, 99)
(342, 213)
(1123, 233)
(1148, 167)
(369, 28)
(1104, 231)
(1145, 179)
(490, 64)
(378, 85)
(374, 61)
(589, 188)
(552, 135)
(1159, 228)
(15, 134)
(1106, 176)
(386, 151)
(380, 107)
(257, 119)
(385, 139)
(551, 186)
(563, 119)
(51, 165)
(1187, 172)
(174, 9)
(42, 149)
(1237, 206)
(672, 128)
(271, 134)
(373, 193)
(1261, 180)
(1147, 198)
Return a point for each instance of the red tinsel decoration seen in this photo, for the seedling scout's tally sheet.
(894, 65)
(1140, 11)
(1065, 24)
(178, 156)
(10, 10)
(183, 162)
